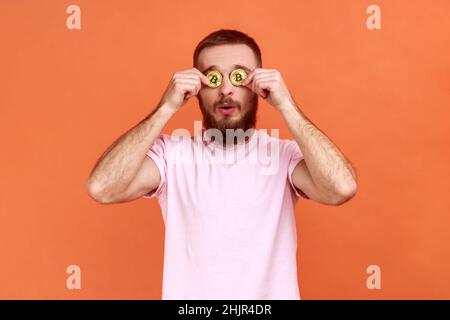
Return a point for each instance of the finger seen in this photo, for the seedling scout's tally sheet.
(261, 76)
(264, 87)
(256, 87)
(195, 76)
(249, 78)
(190, 90)
(256, 77)
(256, 72)
(188, 85)
(183, 81)
(186, 76)
(264, 77)
(204, 79)
(197, 86)
(195, 73)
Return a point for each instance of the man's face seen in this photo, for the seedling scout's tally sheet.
(226, 58)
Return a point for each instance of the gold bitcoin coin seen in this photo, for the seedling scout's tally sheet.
(238, 76)
(215, 79)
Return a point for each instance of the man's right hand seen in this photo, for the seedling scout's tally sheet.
(183, 85)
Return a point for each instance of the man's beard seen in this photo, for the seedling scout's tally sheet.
(245, 122)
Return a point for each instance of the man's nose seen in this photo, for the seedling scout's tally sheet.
(227, 88)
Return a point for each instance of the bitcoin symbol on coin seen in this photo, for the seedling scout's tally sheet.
(238, 76)
(215, 79)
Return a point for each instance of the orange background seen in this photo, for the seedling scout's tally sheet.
(382, 96)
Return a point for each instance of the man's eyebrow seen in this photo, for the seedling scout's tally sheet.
(209, 69)
(236, 66)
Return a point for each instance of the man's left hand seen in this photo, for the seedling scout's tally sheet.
(269, 85)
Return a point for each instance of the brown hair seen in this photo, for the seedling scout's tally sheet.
(227, 36)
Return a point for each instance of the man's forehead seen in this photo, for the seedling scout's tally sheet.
(227, 57)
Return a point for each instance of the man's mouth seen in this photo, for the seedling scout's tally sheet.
(227, 108)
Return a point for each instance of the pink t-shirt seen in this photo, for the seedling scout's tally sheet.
(229, 217)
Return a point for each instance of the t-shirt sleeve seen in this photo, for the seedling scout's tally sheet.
(295, 156)
(158, 153)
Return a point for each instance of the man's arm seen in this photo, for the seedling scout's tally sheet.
(325, 175)
(124, 172)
